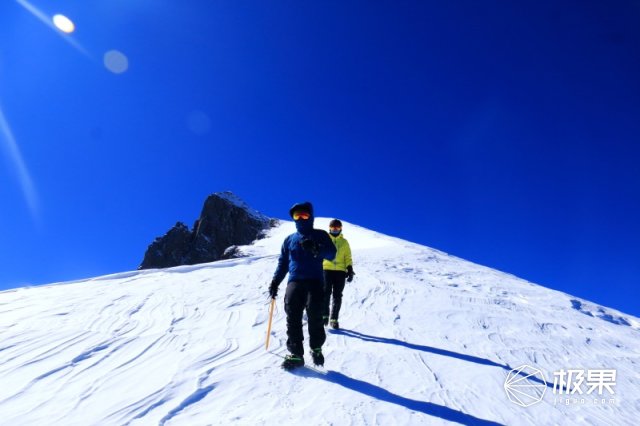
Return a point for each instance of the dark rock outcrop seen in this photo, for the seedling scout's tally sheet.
(225, 223)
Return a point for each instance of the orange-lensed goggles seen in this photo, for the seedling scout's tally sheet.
(335, 228)
(301, 215)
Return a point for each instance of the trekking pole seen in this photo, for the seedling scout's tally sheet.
(273, 303)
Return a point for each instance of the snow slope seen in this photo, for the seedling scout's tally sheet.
(428, 339)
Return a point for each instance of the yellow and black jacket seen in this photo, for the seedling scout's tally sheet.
(343, 257)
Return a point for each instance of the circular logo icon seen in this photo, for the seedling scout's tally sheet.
(525, 385)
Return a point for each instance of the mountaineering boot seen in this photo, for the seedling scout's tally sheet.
(292, 361)
(325, 320)
(318, 358)
(334, 324)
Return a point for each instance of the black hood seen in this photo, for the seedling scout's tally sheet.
(306, 206)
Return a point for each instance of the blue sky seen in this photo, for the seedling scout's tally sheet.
(506, 133)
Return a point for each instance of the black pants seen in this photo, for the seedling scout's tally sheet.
(333, 283)
(300, 295)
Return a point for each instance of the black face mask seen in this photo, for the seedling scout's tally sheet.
(335, 233)
(304, 226)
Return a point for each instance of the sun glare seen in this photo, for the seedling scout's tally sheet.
(64, 24)
(60, 23)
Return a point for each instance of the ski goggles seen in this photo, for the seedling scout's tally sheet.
(335, 228)
(301, 215)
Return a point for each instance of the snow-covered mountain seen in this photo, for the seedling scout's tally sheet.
(427, 339)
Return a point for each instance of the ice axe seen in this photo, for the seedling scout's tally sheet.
(273, 303)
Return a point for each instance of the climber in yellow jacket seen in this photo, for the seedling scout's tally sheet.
(336, 271)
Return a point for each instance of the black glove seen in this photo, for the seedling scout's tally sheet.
(311, 246)
(273, 289)
(350, 273)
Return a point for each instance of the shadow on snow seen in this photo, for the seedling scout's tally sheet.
(381, 394)
(437, 351)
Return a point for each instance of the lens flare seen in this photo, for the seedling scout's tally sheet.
(116, 61)
(199, 122)
(11, 146)
(64, 24)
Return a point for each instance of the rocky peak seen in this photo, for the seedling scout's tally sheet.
(225, 222)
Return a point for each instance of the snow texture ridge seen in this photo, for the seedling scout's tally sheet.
(428, 339)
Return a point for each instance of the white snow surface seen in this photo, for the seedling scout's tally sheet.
(427, 338)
